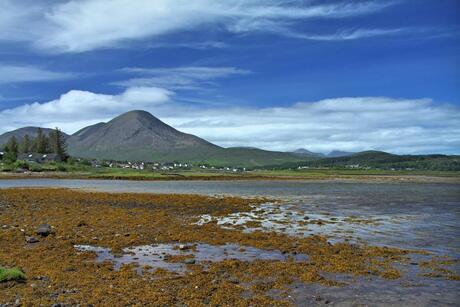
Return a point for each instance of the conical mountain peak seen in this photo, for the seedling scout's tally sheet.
(136, 135)
(139, 119)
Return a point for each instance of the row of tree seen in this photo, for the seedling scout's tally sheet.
(44, 144)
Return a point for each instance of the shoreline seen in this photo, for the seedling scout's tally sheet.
(354, 178)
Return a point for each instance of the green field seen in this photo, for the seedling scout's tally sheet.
(66, 170)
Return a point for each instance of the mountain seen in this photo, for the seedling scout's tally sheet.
(21, 132)
(379, 160)
(139, 136)
(306, 152)
(339, 153)
(250, 157)
(384, 160)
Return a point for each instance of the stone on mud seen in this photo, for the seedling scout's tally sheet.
(31, 239)
(44, 230)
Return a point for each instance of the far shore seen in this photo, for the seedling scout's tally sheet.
(326, 175)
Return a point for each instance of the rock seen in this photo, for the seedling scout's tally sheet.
(41, 278)
(31, 239)
(189, 261)
(234, 280)
(71, 291)
(183, 247)
(44, 230)
(82, 223)
(70, 269)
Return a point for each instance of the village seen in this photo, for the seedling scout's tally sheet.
(40, 159)
(161, 166)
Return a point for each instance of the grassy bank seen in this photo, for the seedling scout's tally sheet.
(75, 171)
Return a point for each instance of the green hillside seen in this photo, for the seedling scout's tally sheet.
(383, 160)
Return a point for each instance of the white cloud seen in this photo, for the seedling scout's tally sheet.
(190, 77)
(351, 124)
(21, 20)
(17, 73)
(77, 26)
(190, 45)
(351, 34)
(144, 96)
(75, 109)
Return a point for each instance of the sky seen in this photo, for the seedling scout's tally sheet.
(274, 74)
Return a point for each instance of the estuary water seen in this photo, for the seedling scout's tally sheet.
(408, 215)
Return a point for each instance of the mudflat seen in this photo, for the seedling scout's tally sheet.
(98, 248)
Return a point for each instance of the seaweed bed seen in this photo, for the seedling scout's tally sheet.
(58, 273)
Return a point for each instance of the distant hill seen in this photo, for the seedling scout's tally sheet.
(384, 160)
(339, 153)
(139, 136)
(21, 132)
(306, 152)
(250, 157)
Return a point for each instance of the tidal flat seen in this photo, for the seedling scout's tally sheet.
(319, 244)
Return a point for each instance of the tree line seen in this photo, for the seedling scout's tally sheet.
(42, 143)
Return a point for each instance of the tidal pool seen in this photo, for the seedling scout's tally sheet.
(158, 256)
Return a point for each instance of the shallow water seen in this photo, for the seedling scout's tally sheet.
(156, 256)
(278, 188)
(409, 215)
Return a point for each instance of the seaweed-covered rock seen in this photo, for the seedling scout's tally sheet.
(44, 230)
(31, 239)
(13, 274)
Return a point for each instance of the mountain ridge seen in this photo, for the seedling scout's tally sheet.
(306, 152)
(20, 133)
(139, 136)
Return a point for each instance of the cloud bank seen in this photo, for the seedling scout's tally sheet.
(351, 124)
(76, 109)
(189, 77)
(21, 73)
(78, 26)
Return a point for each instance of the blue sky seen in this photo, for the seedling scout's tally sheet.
(276, 74)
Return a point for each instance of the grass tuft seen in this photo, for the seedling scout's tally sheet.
(13, 274)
